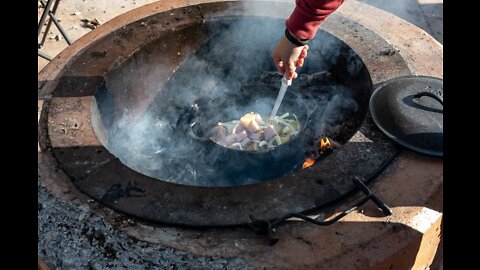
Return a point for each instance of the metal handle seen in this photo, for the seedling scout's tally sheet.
(265, 227)
(285, 81)
(195, 131)
(360, 185)
(430, 94)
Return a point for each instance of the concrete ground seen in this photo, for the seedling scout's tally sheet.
(426, 14)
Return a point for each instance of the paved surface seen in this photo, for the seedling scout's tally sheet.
(426, 14)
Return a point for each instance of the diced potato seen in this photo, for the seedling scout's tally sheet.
(247, 118)
(218, 133)
(238, 128)
(253, 126)
(255, 136)
(259, 119)
(252, 133)
(269, 132)
(246, 142)
(230, 139)
(241, 136)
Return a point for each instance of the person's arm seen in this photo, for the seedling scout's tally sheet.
(301, 27)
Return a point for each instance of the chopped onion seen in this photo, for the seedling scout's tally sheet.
(253, 125)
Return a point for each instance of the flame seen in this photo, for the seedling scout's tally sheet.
(324, 143)
(308, 162)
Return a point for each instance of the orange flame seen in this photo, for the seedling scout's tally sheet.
(324, 143)
(308, 162)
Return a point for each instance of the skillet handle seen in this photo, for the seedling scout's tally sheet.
(430, 94)
(195, 131)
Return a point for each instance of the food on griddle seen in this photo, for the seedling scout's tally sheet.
(252, 133)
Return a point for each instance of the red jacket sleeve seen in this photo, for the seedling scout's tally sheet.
(308, 15)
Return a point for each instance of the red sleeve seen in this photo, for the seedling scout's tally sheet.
(308, 15)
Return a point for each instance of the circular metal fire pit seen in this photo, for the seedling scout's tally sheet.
(135, 71)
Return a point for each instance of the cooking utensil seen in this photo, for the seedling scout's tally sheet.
(281, 93)
(409, 110)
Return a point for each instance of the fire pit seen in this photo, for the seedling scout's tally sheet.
(147, 151)
(116, 114)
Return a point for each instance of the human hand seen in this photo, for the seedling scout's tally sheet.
(288, 56)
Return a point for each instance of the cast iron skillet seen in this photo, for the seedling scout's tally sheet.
(293, 150)
(307, 99)
(236, 164)
(409, 110)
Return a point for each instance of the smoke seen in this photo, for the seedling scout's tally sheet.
(228, 75)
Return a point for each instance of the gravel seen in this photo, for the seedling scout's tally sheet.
(71, 236)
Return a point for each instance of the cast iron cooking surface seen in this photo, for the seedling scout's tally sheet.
(414, 122)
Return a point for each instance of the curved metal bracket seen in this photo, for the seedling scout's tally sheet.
(265, 227)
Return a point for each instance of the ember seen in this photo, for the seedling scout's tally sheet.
(324, 147)
(308, 162)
